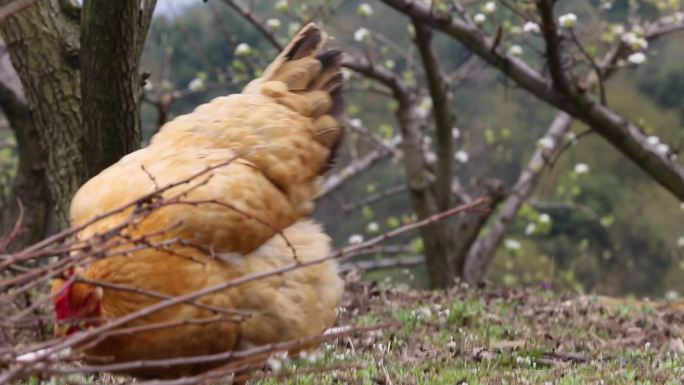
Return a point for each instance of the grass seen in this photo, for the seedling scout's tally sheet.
(464, 336)
(471, 337)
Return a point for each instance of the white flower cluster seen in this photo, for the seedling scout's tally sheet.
(635, 40)
(242, 50)
(365, 10)
(362, 35)
(568, 20)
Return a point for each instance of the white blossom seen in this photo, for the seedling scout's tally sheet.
(679, 17)
(372, 227)
(653, 140)
(531, 27)
(282, 6)
(293, 28)
(529, 229)
(581, 168)
(617, 29)
(390, 64)
(356, 122)
(512, 244)
(355, 239)
(635, 41)
(479, 19)
(273, 23)
(547, 142)
(455, 132)
(606, 5)
(681, 206)
(544, 218)
(636, 58)
(365, 10)
(680, 242)
(362, 34)
(663, 148)
(568, 20)
(515, 50)
(196, 84)
(430, 157)
(149, 86)
(515, 30)
(462, 156)
(425, 107)
(243, 49)
(489, 7)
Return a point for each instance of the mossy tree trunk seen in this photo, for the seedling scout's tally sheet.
(81, 135)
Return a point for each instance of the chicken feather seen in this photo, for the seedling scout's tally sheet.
(269, 145)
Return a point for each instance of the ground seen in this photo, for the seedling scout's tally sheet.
(484, 336)
(465, 336)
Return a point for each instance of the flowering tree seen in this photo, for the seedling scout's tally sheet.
(554, 57)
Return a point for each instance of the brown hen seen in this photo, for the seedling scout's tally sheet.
(269, 145)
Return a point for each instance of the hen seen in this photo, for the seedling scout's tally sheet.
(268, 146)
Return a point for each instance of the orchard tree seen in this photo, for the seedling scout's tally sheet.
(568, 69)
(79, 73)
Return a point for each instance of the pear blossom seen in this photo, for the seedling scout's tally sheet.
(362, 34)
(196, 84)
(356, 122)
(663, 148)
(365, 10)
(372, 227)
(531, 27)
(529, 229)
(653, 140)
(581, 168)
(515, 50)
(149, 86)
(273, 23)
(680, 242)
(489, 7)
(242, 50)
(634, 41)
(462, 156)
(568, 20)
(479, 18)
(431, 157)
(512, 244)
(636, 58)
(455, 132)
(282, 6)
(617, 29)
(544, 218)
(355, 239)
(547, 142)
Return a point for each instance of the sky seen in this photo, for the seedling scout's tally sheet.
(165, 7)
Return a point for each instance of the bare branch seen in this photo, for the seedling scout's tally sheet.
(625, 136)
(444, 119)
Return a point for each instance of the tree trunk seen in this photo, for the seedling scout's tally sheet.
(43, 42)
(113, 34)
(30, 187)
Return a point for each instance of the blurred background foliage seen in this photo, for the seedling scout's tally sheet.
(596, 222)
